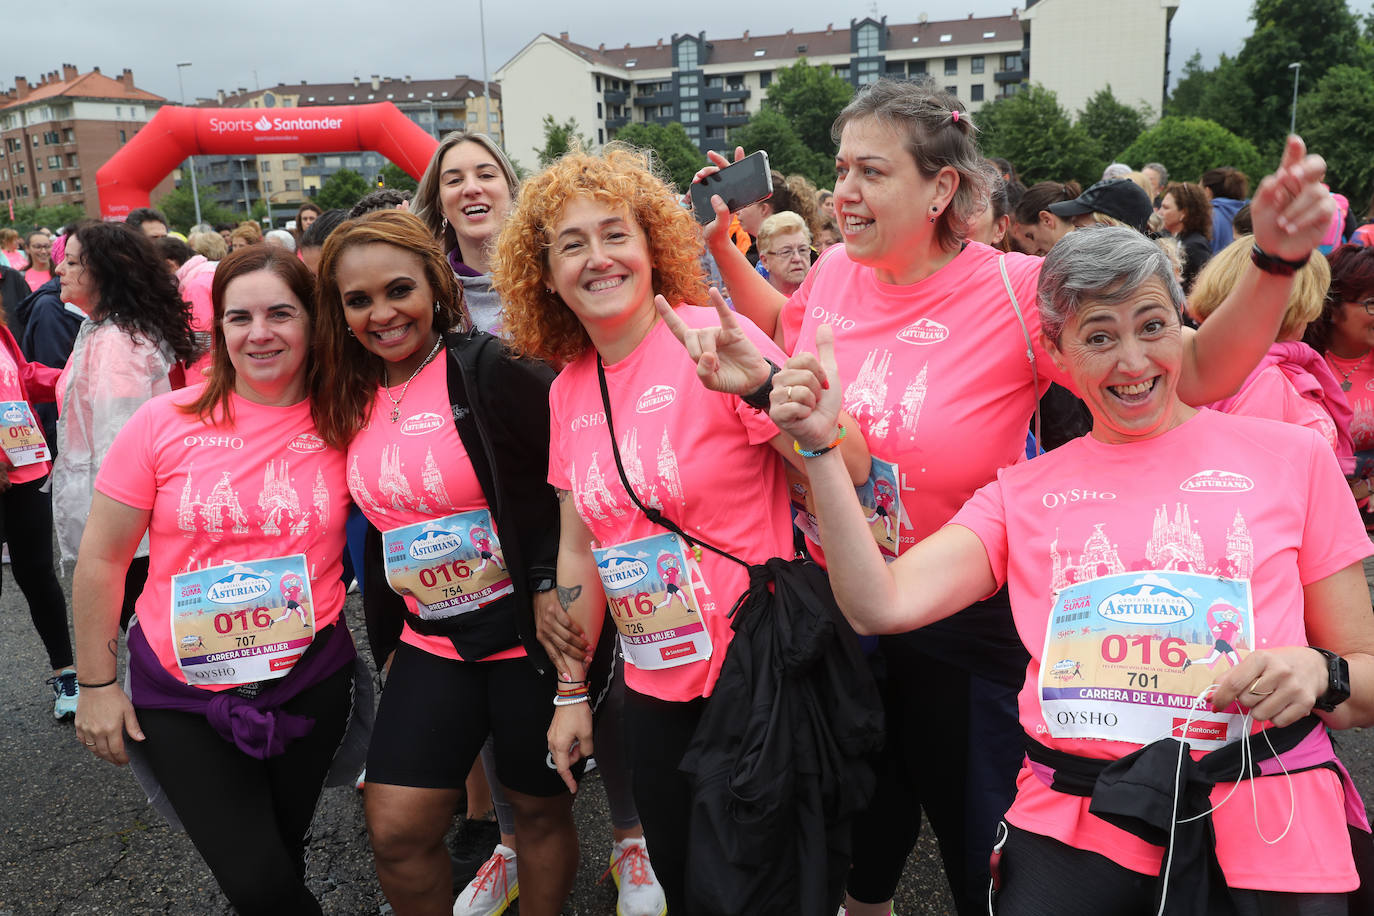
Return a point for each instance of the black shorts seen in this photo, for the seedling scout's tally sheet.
(436, 713)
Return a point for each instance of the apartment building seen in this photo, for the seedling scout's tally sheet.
(56, 133)
(712, 84)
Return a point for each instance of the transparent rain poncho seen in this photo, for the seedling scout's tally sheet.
(109, 376)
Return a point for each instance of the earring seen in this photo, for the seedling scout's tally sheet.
(443, 224)
(436, 307)
(349, 332)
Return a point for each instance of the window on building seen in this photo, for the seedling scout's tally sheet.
(735, 82)
(76, 184)
(38, 165)
(977, 63)
(119, 112)
(691, 111)
(59, 186)
(598, 110)
(1011, 61)
(42, 188)
(601, 135)
(293, 184)
(598, 82)
(869, 71)
(714, 107)
(71, 161)
(122, 138)
(715, 82)
(19, 168)
(289, 165)
(68, 135)
(896, 68)
(842, 72)
(952, 90)
(975, 92)
(267, 187)
(265, 165)
(868, 40)
(688, 54)
(665, 111)
(688, 88)
(765, 79)
(951, 66)
(34, 138)
(333, 162)
(54, 162)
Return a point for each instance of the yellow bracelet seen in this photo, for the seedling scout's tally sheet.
(806, 453)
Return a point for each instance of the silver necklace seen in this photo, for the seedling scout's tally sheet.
(1345, 376)
(396, 402)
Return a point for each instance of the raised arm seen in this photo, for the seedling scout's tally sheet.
(752, 295)
(104, 714)
(940, 575)
(1291, 212)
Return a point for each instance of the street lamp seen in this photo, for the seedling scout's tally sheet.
(195, 192)
(1293, 117)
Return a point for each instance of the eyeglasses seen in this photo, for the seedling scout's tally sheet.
(787, 254)
(1368, 305)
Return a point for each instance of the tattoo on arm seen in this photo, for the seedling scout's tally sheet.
(566, 596)
(113, 646)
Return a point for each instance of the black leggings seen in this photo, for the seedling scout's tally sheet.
(27, 515)
(1042, 875)
(250, 819)
(657, 733)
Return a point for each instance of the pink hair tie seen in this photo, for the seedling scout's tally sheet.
(955, 115)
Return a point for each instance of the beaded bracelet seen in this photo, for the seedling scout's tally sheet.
(113, 680)
(806, 453)
(572, 700)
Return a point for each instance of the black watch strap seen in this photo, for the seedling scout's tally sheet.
(542, 584)
(758, 398)
(1337, 681)
(1273, 264)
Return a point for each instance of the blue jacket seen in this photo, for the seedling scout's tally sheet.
(1224, 209)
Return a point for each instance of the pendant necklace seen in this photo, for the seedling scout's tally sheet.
(1345, 376)
(396, 402)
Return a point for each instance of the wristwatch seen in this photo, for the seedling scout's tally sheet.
(543, 584)
(758, 398)
(1337, 681)
(1273, 264)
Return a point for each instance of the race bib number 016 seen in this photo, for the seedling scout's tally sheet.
(451, 565)
(1126, 654)
(649, 587)
(20, 435)
(242, 622)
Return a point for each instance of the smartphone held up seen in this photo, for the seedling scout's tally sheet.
(739, 184)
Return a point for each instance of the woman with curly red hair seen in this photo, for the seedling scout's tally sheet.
(592, 243)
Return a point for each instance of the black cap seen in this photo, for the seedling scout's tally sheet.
(1119, 198)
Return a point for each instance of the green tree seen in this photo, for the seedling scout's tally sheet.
(674, 152)
(1337, 121)
(558, 139)
(29, 218)
(1186, 100)
(1111, 125)
(1320, 34)
(810, 98)
(1032, 130)
(1190, 146)
(395, 177)
(343, 189)
(770, 130)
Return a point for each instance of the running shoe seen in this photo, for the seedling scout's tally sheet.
(361, 782)
(640, 892)
(64, 694)
(494, 889)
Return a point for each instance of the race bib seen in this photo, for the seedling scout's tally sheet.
(648, 584)
(1126, 654)
(880, 498)
(242, 622)
(451, 566)
(20, 435)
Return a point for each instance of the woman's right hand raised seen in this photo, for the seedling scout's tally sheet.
(103, 716)
(805, 402)
(717, 231)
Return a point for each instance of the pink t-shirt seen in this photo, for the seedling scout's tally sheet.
(1219, 495)
(415, 470)
(195, 281)
(701, 456)
(935, 373)
(262, 486)
(1272, 396)
(36, 278)
(1360, 374)
(12, 390)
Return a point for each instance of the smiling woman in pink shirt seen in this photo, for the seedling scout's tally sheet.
(240, 682)
(938, 344)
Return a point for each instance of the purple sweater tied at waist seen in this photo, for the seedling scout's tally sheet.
(257, 726)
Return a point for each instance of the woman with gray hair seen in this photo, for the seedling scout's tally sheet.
(1178, 575)
(939, 345)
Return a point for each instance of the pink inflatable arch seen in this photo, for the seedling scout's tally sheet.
(175, 133)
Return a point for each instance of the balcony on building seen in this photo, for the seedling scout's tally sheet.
(617, 123)
(616, 97)
(662, 97)
(1010, 76)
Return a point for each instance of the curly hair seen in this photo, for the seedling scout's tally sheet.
(1192, 200)
(796, 194)
(137, 292)
(287, 268)
(1352, 280)
(937, 132)
(341, 407)
(537, 322)
(425, 204)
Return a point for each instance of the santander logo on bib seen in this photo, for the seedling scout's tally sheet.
(1214, 481)
(923, 331)
(306, 443)
(656, 397)
(421, 423)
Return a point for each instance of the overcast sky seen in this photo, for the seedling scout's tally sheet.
(334, 40)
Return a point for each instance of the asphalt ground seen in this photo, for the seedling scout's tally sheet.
(77, 836)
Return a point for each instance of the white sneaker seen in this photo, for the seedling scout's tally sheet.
(493, 889)
(640, 892)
